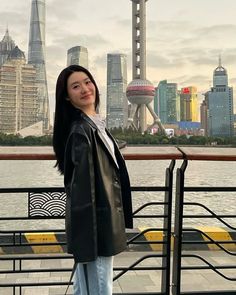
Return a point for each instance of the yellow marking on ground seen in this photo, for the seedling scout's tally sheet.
(42, 238)
(217, 233)
(153, 236)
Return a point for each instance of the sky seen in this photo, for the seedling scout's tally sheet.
(184, 38)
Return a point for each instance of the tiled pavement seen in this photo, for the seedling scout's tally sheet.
(133, 281)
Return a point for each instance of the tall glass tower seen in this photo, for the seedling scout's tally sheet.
(117, 103)
(36, 57)
(220, 105)
(77, 55)
(166, 102)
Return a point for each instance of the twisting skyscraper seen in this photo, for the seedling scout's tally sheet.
(36, 57)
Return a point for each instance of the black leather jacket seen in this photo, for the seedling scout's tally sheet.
(98, 193)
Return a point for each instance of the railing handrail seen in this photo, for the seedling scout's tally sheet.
(130, 153)
(154, 153)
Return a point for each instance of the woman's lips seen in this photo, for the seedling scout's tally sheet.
(86, 96)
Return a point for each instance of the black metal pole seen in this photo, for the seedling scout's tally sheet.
(178, 226)
(165, 279)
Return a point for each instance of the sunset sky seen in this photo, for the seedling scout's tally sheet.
(184, 37)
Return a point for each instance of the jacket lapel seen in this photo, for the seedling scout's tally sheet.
(116, 147)
(107, 147)
(102, 138)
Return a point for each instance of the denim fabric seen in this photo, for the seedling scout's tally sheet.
(94, 278)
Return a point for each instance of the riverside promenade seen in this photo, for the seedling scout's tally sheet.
(171, 264)
(135, 282)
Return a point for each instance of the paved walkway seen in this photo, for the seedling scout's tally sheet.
(133, 281)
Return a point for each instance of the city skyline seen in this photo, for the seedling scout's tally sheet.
(184, 38)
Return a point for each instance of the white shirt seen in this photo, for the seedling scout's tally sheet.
(101, 124)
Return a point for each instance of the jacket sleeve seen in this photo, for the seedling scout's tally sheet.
(81, 198)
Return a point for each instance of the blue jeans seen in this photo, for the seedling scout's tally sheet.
(95, 277)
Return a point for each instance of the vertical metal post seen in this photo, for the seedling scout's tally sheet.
(178, 226)
(14, 264)
(28, 204)
(165, 279)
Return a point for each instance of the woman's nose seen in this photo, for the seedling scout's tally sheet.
(84, 88)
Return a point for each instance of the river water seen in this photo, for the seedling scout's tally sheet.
(142, 173)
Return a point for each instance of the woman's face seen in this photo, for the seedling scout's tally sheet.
(81, 92)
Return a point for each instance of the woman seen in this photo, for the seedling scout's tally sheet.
(96, 181)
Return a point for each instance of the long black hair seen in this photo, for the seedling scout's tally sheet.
(64, 110)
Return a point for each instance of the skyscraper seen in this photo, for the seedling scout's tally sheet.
(36, 57)
(203, 114)
(117, 103)
(166, 102)
(18, 93)
(77, 55)
(6, 46)
(220, 104)
(188, 104)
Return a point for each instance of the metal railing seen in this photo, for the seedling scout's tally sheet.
(15, 238)
(179, 229)
(34, 195)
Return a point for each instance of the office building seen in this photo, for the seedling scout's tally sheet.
(77, 55)
(18, 93)
(167, 102)
(189, 104)
(117, 103)
(204, 114)
(36, 57)
(220, 105)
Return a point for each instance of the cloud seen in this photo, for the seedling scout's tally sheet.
(165, 61)
(169, 32)
(216, 37)
(202, 59)
(216, 30)
(190, 42)
(100, 60)
(123, 23)
(18, 26)
(90, 41)
(58, 10)
(194, 80)
(232, 81)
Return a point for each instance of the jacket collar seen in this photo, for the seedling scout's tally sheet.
(104, 141)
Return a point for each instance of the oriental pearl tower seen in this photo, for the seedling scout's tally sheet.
(140, 91)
